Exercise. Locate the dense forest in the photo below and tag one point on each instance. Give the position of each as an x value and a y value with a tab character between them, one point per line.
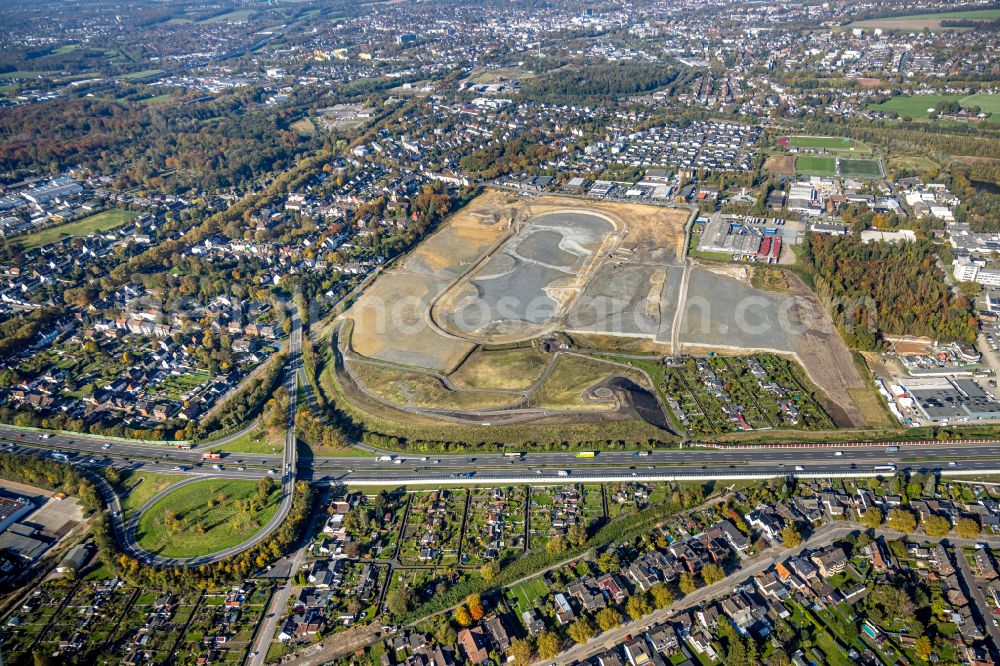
600	82
873	289
173	147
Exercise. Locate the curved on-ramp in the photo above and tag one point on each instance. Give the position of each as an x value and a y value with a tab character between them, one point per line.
125	531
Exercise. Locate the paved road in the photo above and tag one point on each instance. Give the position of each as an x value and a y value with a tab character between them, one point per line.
280	600
162	457
126	533
826	534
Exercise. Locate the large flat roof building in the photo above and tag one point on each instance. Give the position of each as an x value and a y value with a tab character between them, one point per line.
942	399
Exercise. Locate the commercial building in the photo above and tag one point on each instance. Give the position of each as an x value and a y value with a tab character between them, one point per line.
940	399
12	509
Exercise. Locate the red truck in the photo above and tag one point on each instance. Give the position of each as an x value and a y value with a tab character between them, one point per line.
211	455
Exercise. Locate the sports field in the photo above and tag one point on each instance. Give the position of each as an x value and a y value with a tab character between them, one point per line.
109	219
811	165
832	143
860	168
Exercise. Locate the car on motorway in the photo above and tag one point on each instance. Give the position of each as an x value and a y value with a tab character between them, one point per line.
106	447
838	453
891	449
781	465
800	468
470	460
272	471
242	468
952	463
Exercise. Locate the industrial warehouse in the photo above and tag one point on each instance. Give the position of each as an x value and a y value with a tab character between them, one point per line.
753	239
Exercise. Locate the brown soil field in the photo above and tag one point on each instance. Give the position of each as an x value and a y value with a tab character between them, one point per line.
505	370
390	317
780	164
564	388
415	389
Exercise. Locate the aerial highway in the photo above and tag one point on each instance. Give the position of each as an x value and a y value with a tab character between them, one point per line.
371	467
126	530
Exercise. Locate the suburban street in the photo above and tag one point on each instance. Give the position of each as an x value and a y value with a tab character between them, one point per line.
823	536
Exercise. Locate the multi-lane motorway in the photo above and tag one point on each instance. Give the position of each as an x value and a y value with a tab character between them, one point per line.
370	467
716	463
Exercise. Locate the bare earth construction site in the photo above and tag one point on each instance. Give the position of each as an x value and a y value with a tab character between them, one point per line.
549	307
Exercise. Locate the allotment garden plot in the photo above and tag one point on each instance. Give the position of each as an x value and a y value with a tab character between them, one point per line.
495	525
731	394
433	527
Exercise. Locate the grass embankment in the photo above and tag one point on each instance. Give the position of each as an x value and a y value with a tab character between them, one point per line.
144	485
505	369
255	441
109	219
206	517
431	435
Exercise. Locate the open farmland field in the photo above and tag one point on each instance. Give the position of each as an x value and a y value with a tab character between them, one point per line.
811	165
918	22
919	106
98	222
990	103
860	168
915	106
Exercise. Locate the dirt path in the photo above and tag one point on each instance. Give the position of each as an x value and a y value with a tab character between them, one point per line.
336	646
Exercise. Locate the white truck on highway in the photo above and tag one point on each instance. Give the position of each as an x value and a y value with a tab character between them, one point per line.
384	458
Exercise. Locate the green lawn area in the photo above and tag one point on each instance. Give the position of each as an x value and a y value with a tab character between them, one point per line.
224	525
255	441
836	143
109	219
835	655
812	165
143	74
23	74
527	594
175	387
860	168
239	15
150	484
916	106
990	103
